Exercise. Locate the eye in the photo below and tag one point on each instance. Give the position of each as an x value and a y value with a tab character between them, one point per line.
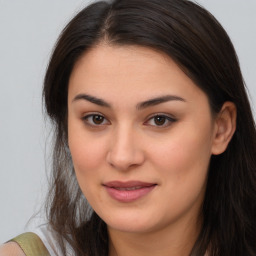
160	120
95	120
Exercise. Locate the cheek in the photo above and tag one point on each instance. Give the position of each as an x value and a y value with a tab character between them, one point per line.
183	165
185	150
87	156
183	159
88	153
87	150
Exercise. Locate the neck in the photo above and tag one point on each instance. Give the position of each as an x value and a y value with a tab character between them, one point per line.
175	240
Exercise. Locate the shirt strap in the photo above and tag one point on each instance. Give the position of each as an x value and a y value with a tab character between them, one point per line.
31	244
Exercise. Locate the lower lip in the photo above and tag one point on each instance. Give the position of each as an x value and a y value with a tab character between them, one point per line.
126	196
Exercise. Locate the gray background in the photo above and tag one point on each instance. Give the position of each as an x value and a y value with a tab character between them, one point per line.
28	31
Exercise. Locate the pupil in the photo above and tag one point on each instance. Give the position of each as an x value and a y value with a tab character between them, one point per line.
97	119
159	120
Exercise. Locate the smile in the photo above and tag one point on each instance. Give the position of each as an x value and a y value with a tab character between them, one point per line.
128	191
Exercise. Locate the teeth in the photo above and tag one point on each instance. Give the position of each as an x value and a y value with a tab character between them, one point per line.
128	189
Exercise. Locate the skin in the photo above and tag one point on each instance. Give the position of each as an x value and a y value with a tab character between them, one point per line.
11	249
127	143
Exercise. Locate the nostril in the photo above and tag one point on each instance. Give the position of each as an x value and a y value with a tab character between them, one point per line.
124	160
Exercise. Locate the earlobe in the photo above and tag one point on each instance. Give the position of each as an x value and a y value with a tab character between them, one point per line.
225	126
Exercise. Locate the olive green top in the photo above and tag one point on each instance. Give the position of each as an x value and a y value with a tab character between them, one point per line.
31	244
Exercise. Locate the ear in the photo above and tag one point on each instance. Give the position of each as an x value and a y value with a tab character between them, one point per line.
225	126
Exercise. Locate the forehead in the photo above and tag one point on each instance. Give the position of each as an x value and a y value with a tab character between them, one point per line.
129	71
122	60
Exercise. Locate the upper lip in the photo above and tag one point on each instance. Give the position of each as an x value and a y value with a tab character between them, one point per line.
128	184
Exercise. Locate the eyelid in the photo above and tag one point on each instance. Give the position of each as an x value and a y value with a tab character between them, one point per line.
168	117
93	125
169	120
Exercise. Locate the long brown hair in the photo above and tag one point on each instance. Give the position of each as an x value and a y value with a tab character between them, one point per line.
195	40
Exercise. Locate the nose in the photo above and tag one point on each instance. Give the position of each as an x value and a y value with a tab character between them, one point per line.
125	150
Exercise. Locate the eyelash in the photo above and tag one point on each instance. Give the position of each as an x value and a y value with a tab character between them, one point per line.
168	120
92	123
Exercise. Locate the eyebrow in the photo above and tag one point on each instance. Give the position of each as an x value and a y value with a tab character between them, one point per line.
158	100
92	99
139	106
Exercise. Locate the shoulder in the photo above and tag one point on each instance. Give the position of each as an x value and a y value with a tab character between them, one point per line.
51	241
11	249
42	240
25	244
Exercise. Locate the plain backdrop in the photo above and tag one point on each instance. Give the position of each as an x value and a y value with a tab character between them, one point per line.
28	31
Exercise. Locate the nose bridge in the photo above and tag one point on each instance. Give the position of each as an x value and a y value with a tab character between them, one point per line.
125	150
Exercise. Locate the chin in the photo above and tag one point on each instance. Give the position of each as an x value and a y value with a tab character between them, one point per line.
131	223
127	227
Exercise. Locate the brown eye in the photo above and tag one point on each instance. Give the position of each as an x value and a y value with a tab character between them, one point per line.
159	120
97	119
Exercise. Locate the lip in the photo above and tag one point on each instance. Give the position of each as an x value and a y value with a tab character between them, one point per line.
128	191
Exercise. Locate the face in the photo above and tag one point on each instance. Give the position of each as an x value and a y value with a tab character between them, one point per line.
140	134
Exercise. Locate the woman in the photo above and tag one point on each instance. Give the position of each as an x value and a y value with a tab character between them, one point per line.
154	128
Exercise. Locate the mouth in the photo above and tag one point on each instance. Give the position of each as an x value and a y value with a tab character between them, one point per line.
128	191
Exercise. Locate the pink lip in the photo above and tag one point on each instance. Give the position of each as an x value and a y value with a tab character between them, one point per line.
128	191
